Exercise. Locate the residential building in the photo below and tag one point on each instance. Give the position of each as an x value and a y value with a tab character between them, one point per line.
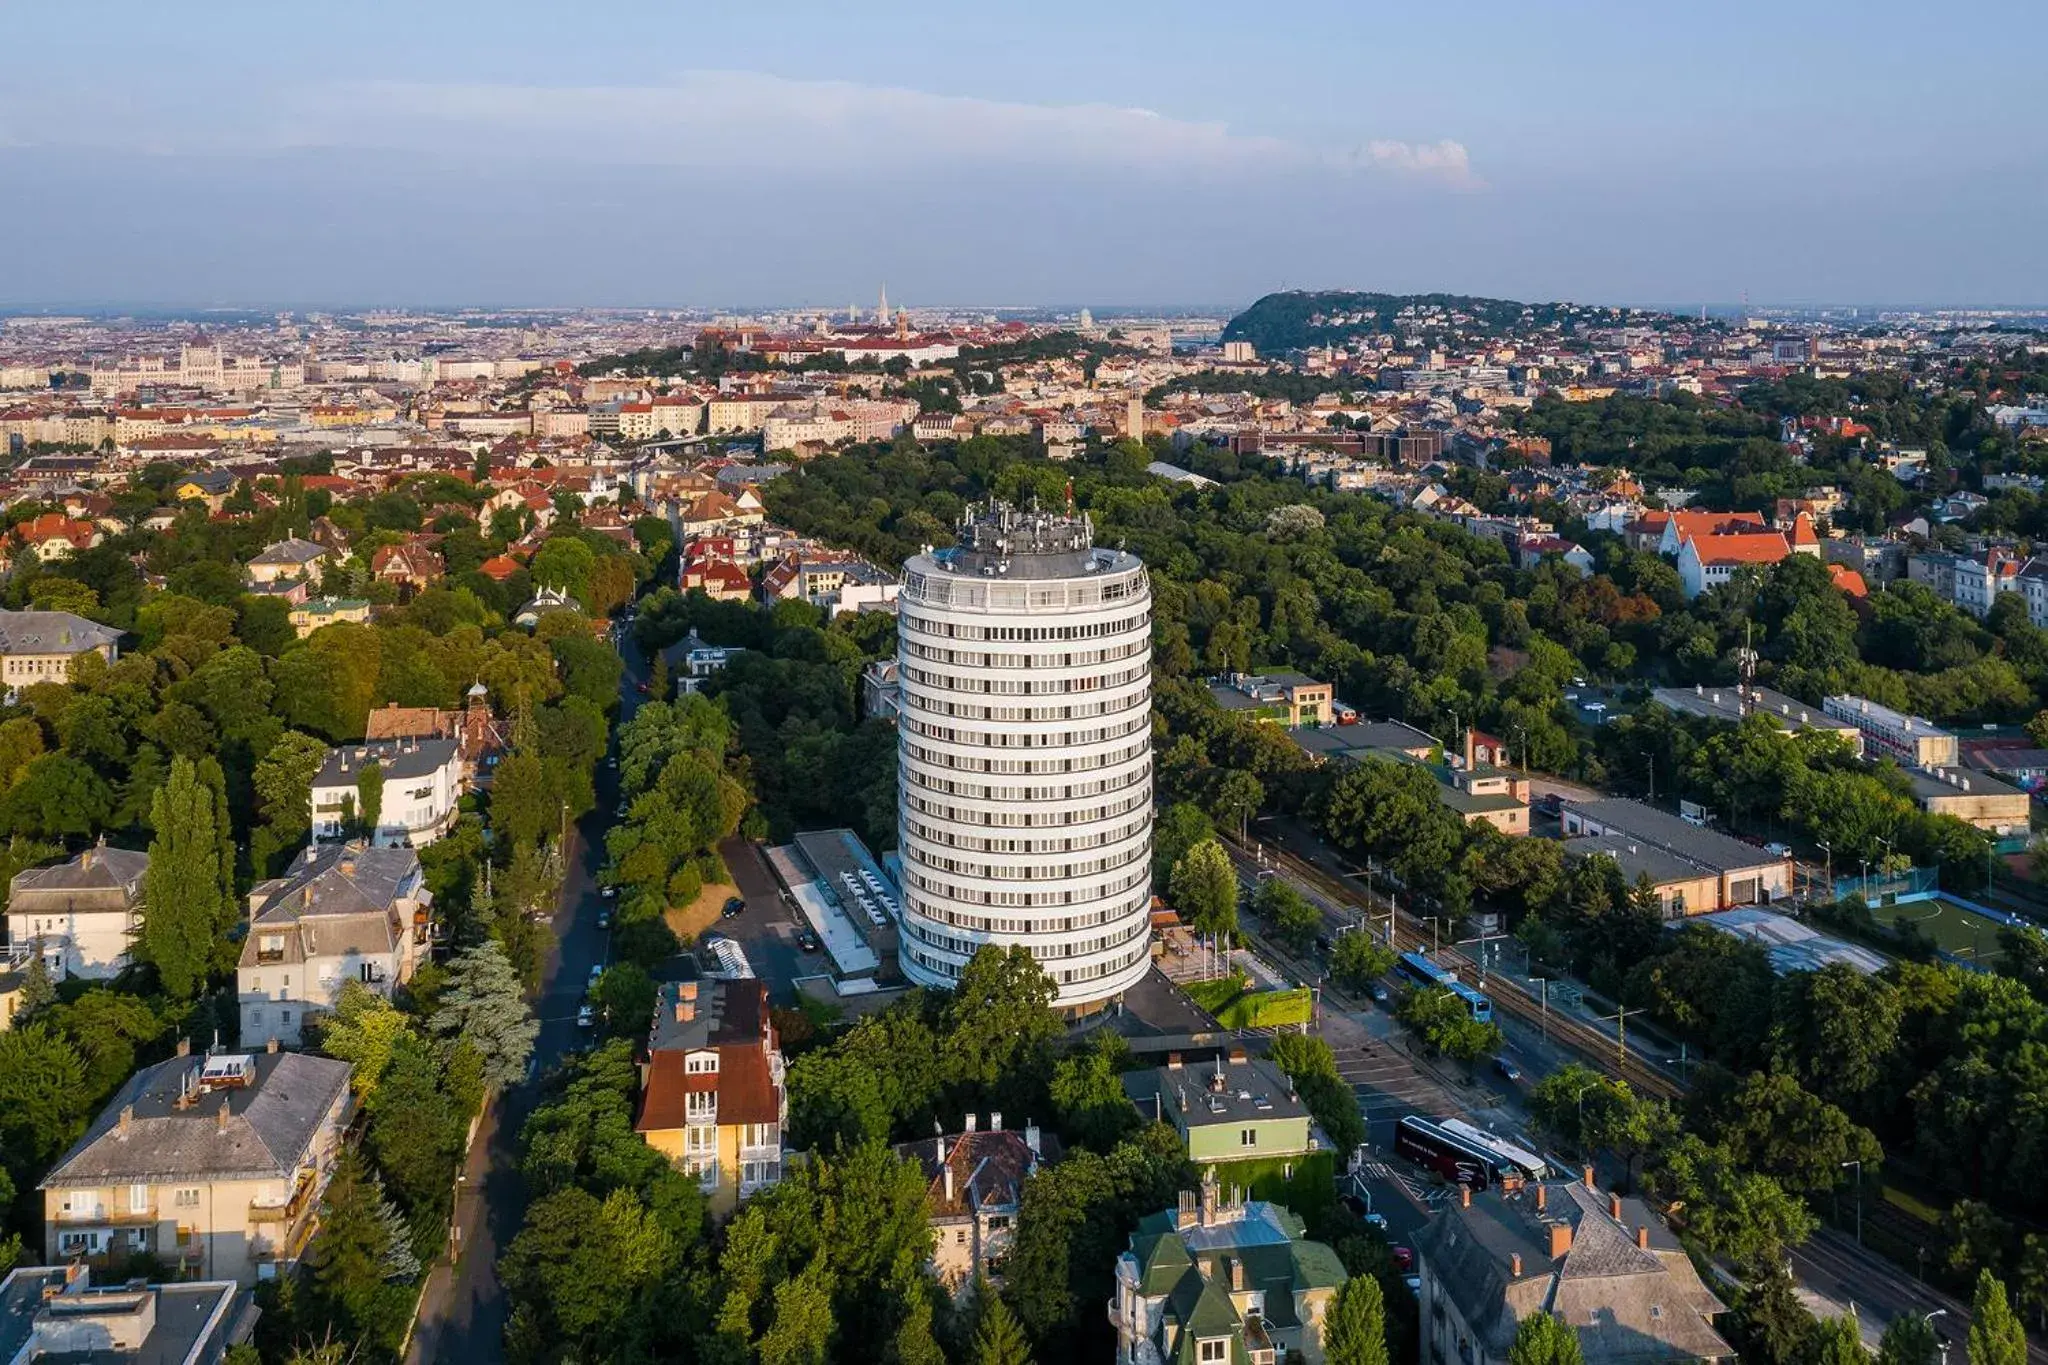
308	616
343	912
210	486
1706	562
837	582
215	1165
1234	1108
409	565
54	536
1222	1281
423	782
40	646
974	1185
712	1097
1286	698
1732	703
288	560
1909	740
53	1314
473	728
1605	1266
1693	869
881	695
1972	582
84	913
1025	811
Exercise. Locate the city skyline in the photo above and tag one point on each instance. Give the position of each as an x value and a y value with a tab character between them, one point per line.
639	158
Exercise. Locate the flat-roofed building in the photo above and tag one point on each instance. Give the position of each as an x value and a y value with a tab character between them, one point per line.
1286	698
1732	703
1975	798
214	1164
55	1314
1235	1108
1911	740
1694	869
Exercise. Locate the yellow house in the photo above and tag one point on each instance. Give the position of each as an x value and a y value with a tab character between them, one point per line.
214	1164
711	1097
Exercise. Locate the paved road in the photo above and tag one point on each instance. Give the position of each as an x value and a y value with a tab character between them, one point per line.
463	1310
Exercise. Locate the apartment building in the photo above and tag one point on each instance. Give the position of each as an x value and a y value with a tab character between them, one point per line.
40	646
1910	740
974	1186
342	913
712	1097
1972	582
288	560
423	783
1731	704
1235	1108
83	914
1608	1268
1222	1281
213	1164
54	1313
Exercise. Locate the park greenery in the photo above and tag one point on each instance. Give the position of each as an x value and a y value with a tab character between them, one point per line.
200	744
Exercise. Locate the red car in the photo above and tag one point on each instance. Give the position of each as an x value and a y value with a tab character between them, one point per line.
1403	1258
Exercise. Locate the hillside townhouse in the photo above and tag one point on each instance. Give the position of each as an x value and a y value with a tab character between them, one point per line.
423	781
343	912
974	1186
215	1165
712	1098
83	915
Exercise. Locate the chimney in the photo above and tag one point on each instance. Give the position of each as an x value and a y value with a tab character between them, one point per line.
1589	1179
220	1118
1173	1062
127	1117
1237	1274
1031	1138
995	1120
1614	1207
968	1125
1542	1198
949	1182
941	1142
271	1046
1560	1239
1514	1265
1209	1193
1643	1236
1464	1196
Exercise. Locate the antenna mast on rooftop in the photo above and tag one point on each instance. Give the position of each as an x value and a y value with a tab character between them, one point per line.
1745	674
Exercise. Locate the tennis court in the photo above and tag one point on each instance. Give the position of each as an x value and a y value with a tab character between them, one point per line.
1963	934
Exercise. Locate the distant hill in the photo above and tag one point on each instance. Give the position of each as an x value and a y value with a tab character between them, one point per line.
1301	319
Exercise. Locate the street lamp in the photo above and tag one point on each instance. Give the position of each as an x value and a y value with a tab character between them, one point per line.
1858	1164
1929	1318
1544	983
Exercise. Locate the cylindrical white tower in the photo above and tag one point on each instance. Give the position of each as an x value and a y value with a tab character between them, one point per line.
1024	786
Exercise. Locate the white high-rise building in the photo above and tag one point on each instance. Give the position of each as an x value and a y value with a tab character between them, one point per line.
1024	789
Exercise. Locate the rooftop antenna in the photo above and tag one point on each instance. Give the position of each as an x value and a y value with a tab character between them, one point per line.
1745	668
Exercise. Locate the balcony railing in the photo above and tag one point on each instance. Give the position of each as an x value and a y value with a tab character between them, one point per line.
108	1215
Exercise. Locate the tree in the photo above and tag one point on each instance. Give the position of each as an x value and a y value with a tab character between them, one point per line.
363	1030
353	1255
183	916
43	1097
1204	889
37	990
1358	959
1834	1341
1542	1339
484	1005
1179	828
914	1342
370	797
1000	1023
1444	1024
998	1336
1294	920
283	780
625	996
1908	1339
801	1332
1996	1336
1355	1332
579	1263
1088	1093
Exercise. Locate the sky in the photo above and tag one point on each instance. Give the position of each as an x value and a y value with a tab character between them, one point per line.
1114	153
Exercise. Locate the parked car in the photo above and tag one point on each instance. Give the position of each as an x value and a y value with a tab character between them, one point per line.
1403	1258
608	892
808	941
604	919
1414	1283
596	971
734	908
1506	1069
1380	994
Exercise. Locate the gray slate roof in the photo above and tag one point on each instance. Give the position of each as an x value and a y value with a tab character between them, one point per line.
100	877
270	1127
402	760
52	632
339	897
293	553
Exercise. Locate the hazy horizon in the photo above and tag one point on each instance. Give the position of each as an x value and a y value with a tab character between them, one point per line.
649	156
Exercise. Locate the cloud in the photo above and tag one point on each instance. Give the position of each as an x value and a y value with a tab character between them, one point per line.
707	120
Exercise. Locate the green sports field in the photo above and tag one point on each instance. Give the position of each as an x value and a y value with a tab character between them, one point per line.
1964	934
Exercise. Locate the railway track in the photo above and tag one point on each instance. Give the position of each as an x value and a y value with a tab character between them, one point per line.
1509	996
